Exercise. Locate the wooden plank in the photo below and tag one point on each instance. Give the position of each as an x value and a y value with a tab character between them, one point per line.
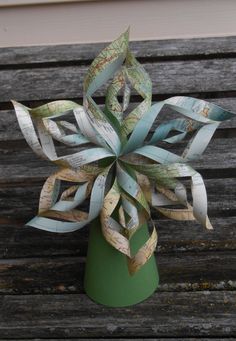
17	241
168	78
144	49
9	128
184	271
18	160
19	163
137	338
19	204
165	314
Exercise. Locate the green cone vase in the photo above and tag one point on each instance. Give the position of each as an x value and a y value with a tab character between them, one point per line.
107	279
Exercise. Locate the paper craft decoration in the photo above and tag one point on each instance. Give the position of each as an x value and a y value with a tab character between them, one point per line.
121	169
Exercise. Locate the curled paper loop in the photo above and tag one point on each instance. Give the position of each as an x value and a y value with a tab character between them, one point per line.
119	165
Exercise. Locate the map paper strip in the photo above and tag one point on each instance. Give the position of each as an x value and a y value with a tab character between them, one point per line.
116	162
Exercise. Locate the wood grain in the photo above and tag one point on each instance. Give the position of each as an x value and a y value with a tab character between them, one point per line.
10	131
165	314
20	202
186	271
17	241
19	163
142	49
168	78
138	339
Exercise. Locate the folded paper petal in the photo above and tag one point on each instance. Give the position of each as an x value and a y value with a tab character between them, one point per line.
117	161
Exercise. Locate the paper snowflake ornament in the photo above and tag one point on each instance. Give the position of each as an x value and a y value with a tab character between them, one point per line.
118	162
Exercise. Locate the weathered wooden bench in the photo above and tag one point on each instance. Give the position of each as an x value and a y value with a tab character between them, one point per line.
41	274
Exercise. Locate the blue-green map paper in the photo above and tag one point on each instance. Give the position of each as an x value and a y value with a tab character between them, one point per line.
118	163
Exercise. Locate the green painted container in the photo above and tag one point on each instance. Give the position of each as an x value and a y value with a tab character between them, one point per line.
107	279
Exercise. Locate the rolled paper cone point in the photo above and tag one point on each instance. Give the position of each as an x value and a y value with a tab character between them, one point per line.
107	279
